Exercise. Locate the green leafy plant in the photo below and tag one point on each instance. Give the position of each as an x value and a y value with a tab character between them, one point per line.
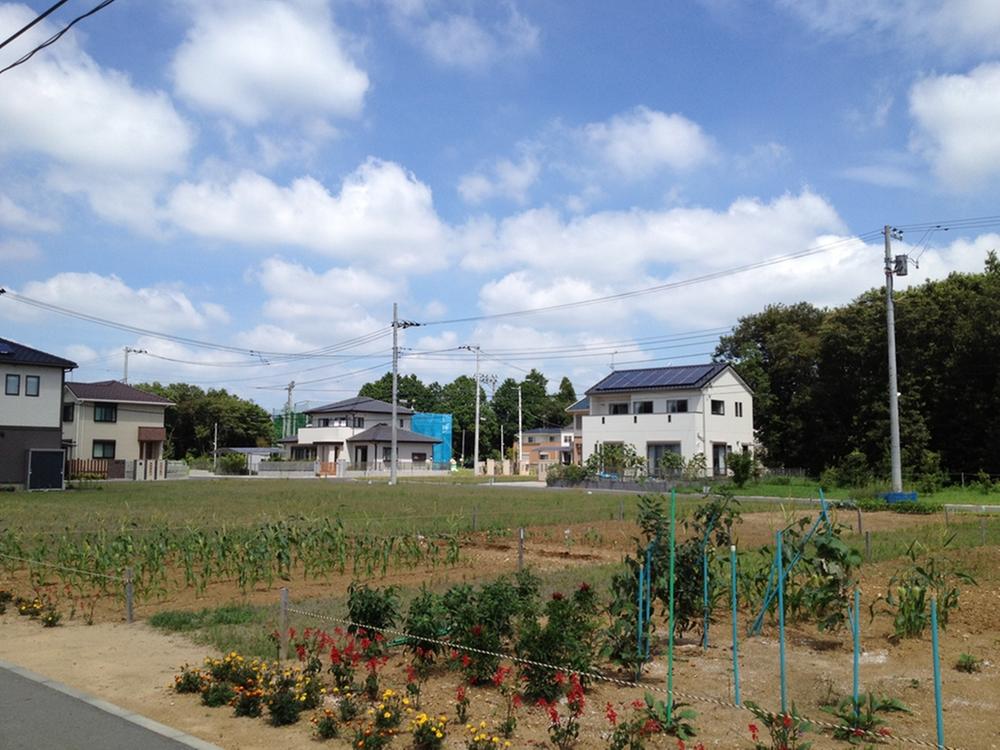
675	720
326	725
744	467
282	699
862	722
785	731
630	732
910	590
215	694
984	482
248	701
968	663
372	607
190	680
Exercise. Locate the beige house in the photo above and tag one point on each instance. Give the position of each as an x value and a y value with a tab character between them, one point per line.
112	420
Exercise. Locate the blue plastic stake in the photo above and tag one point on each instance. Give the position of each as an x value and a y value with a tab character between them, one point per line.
704	580
781	623
649	595
937	672
856	634
736	643
641	611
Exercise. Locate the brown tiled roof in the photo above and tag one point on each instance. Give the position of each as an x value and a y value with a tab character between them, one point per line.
114	390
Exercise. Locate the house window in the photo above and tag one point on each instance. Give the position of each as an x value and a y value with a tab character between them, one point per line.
12	385
104	449
105	413
419	458
531	438
401	423
543	456
324	423
619	408
677	405
642	407
31	385
738	407
655	453
359	422
338	422
69	410
718	407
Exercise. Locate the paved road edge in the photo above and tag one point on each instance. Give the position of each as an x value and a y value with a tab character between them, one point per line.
130	716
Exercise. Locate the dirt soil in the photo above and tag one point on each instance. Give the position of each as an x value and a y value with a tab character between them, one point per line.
133	665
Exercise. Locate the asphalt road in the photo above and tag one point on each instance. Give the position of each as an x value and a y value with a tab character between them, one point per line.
34	716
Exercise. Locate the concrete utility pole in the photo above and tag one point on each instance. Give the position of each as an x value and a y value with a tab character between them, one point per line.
520	441
475	447
395	392
129	350
893	267
289	421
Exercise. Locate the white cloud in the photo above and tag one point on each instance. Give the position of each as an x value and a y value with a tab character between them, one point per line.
14	216
383	215
882	175
508	179
258	60
462	40
643	141
91	122
159	308
12	250
956	27
615	246
956	118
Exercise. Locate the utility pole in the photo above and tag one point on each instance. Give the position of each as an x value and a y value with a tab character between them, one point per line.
520	441
893	266
396	325
289	421
128	350
475	447
395	392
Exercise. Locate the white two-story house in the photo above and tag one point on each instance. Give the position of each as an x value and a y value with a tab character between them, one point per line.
359	431
690	409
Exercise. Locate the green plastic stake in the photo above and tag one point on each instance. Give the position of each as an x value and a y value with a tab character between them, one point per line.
670	620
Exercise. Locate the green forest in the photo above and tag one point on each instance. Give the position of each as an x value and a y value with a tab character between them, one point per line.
821	384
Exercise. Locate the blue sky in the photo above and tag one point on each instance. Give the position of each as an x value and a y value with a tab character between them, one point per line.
272	176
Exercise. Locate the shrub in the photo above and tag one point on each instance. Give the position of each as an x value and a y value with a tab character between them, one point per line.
232	464
372	607
326	725
968	663
425	618
216	694
569	473
248	701
984	482
190	680
930	477
282	699
744	467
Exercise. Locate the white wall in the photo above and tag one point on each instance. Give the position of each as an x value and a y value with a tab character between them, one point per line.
83	430
45	410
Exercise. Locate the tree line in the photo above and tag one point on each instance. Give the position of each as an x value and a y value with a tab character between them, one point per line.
498	408
820	378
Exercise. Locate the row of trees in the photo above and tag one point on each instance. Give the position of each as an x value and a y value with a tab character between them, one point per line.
819	377
191	422
498	408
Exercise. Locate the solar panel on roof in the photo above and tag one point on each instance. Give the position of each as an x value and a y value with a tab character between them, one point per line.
658	377
4	349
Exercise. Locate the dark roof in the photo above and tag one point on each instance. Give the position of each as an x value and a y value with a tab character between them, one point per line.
114	390
582	405
544	430
359	403
659	378
19	354
382	433
251	451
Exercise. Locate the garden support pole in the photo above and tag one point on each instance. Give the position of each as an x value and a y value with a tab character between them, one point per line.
982	531
670	618
736	645
937	672
475	519
868	545
704	581
781	623
860	527
640	608
129	596
621	510
649	595
283	625
856	636
520	549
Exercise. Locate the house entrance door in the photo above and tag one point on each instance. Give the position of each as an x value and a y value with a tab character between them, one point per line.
719	459
360	455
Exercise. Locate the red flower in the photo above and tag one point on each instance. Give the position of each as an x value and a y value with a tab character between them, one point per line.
335	655
518	700
609	711
466	661
858	732
787	721
557	596
560	678
500	675
638	705
411	673
300	651
680	745
754	732
476	630
885	731
460	693
584	587
650	727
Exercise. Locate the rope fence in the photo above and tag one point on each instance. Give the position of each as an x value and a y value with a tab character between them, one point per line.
286	609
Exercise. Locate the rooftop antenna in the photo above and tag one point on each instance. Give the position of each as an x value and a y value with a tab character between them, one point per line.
613	360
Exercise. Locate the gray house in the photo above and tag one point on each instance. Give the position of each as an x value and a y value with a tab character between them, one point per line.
31	415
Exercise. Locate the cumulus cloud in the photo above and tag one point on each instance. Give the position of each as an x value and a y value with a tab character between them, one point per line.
15	216
614	245
260	60
382	214
160	308
13	250
505	179
955	27
642	141
956	118
462	40
92	123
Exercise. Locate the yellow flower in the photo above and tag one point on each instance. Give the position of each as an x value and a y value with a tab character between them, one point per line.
387	715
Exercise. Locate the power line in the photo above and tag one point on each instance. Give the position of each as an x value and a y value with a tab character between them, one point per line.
55	37
38	19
